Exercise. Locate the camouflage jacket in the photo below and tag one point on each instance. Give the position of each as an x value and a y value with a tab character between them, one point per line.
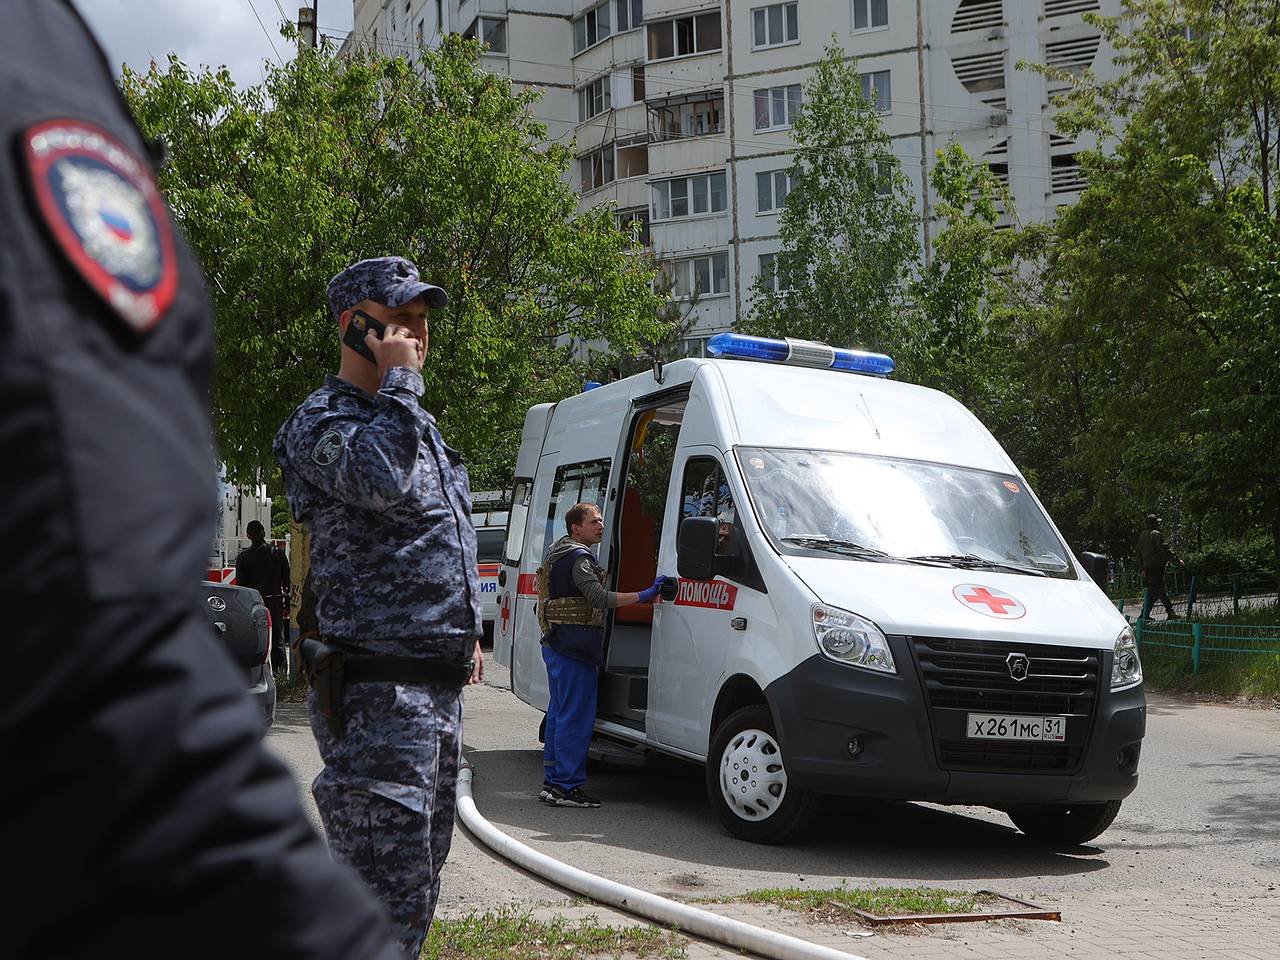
388	505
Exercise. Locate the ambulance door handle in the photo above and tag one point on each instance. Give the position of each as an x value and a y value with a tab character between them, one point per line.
738	623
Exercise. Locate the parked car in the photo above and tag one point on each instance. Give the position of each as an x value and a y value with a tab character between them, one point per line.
240	619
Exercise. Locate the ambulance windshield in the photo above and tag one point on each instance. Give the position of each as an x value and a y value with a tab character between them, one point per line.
811	500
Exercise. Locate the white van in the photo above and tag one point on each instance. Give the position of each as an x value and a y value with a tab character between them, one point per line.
870	600
489	517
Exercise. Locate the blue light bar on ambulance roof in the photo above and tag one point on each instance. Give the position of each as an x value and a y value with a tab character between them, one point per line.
799	353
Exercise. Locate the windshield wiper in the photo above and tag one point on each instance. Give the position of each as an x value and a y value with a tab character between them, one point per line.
820	542
973	561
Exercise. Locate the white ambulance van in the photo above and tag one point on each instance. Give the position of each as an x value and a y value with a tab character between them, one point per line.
489	517
868	601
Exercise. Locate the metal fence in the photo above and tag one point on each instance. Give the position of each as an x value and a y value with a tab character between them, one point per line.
1198	644
1213	595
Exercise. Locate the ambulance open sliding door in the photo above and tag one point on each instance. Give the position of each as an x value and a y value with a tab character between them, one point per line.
556	489
509	575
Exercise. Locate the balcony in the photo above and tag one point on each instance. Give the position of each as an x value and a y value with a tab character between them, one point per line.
685	117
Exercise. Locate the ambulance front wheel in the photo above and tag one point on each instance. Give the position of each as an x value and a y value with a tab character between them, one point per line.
1064	824
747	781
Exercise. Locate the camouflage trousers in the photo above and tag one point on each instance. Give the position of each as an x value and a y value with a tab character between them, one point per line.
388	791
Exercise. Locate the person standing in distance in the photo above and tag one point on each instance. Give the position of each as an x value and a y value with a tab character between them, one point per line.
145	818
1154	555
265	568
393	564
573	650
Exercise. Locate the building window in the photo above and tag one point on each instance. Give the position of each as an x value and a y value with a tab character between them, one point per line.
592	27
769	276
637	84
693	115
876	88
707	275
689	196
772	187
439	16
884	178
870	14
594	97
633	160
685	36
422	31
776	106
636	222
597	169
775	24
492	33
630	14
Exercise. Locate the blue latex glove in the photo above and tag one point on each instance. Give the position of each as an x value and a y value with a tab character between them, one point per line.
648	593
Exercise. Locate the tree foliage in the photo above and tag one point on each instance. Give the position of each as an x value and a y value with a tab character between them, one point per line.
848	229
278	187
1167	267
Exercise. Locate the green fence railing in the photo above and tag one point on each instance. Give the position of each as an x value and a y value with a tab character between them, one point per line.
1198	644
1213	595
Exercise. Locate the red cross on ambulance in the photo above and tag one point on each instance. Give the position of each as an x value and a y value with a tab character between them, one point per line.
990	602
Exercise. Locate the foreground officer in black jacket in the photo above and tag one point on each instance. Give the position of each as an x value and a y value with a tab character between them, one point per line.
141	816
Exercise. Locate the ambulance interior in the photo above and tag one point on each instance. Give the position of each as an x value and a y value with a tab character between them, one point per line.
646	486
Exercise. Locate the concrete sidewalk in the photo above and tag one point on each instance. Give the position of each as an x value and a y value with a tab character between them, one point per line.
1239	924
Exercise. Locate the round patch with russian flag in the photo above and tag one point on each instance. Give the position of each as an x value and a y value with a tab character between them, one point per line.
102	206
989	601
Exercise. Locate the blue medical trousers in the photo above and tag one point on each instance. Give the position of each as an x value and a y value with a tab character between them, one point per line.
571	713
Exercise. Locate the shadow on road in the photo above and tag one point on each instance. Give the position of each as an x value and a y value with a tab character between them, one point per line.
662	809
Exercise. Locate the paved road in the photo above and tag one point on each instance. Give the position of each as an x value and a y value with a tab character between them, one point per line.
1203	826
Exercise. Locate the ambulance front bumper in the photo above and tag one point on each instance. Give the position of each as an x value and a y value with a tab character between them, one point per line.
848	731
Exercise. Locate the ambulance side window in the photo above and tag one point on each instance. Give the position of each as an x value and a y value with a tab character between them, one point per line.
704	492
585	482
516	520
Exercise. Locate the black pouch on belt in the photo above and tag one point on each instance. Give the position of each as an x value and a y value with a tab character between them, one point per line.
323	666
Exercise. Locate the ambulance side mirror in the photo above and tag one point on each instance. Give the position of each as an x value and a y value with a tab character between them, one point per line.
1097	567
696	548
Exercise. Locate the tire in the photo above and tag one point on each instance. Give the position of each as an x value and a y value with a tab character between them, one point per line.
753	808
1065	824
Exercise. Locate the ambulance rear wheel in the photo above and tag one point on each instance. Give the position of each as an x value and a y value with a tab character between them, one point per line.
747	780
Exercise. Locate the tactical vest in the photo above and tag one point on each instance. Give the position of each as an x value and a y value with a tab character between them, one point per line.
570	626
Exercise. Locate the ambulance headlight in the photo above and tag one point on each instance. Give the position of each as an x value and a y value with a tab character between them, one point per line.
851	639
1126	668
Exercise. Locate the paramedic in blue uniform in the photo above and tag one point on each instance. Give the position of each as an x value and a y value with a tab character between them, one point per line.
142	816
393	565
573	650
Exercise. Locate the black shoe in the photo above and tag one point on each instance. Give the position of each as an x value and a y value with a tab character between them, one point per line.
577	797
545	793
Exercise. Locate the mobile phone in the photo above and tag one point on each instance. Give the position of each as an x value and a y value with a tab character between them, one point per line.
361	323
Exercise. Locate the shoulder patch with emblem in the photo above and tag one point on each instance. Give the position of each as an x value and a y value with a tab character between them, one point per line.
327	448
100	202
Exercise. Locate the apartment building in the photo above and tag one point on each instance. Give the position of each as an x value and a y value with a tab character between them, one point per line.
681	110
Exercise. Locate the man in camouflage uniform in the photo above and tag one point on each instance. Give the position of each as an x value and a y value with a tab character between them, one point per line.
393	563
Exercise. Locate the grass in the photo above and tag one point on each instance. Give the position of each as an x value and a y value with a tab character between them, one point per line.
508	934
838	904
291	690
1252	675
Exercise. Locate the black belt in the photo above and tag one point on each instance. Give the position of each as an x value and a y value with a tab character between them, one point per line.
390	669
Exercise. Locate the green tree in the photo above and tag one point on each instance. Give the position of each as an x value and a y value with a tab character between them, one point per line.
279	186
1167	265
848	229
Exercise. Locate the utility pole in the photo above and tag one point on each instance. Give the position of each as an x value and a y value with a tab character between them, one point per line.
308	25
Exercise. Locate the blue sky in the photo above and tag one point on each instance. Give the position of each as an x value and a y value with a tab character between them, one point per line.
212	32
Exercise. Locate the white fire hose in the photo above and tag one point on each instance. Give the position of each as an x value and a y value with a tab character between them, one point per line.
668	913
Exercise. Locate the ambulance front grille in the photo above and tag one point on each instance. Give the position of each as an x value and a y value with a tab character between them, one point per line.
973	676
